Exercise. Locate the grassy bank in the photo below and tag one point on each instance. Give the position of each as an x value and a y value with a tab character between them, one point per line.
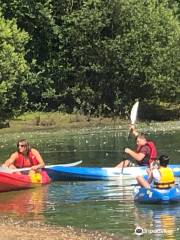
56	120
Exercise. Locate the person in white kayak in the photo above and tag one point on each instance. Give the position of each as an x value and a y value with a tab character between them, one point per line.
144	154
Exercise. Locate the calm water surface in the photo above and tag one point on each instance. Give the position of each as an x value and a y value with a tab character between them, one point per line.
102	205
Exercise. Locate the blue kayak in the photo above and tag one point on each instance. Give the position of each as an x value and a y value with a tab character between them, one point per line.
58	173
154	195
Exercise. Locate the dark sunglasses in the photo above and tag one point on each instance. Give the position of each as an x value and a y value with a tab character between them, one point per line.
21	145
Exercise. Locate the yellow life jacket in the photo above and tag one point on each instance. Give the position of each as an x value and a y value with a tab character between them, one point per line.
167	178
35	177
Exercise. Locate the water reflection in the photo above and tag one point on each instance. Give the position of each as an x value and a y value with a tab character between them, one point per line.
103	148
105	206
159	221
71	192
96	147
102	205
94	205
25	203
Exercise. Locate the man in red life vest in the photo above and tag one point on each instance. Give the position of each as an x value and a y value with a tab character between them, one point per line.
24	157
145	153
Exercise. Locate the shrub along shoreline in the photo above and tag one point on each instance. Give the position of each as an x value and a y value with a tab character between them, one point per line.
59	121
55	120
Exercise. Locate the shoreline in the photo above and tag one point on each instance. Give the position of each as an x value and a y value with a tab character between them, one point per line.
18	230
98	126
31	122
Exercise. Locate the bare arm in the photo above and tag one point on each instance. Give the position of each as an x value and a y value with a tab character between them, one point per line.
153	174
39	158
10	160
133	130
137	156
150	175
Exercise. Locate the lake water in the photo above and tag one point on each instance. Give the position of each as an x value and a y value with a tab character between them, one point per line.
106	206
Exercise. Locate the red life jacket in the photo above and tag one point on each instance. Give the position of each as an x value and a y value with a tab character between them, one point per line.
153	153
21	161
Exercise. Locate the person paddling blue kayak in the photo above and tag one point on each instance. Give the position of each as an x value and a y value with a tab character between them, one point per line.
161	177
160	188
144	154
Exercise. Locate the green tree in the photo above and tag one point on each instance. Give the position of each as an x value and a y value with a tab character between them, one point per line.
97	56
13	69
121	50
36	18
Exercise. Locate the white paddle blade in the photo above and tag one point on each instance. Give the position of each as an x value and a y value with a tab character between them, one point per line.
134	112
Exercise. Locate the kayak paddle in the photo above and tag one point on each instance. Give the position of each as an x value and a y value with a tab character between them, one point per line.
11	170
133	115
133	118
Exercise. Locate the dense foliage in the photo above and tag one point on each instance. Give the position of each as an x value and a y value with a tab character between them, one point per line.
13	69
91	56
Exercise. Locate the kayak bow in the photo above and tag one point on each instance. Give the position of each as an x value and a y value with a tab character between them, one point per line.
154	195
15	182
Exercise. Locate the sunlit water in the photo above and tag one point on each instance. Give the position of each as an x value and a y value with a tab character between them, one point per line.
101	205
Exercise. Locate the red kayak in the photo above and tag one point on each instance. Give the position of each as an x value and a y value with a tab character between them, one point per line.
15	181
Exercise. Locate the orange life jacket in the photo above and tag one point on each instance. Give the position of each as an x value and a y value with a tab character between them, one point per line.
167	178
153	153
21	161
